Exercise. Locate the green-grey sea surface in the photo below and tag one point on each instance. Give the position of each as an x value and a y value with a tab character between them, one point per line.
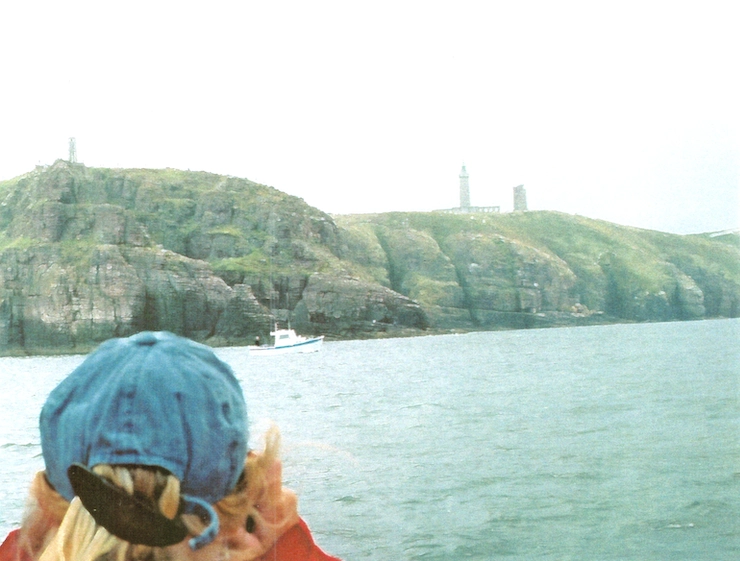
613	442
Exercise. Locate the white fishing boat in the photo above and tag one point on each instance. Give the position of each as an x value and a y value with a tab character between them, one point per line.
287	341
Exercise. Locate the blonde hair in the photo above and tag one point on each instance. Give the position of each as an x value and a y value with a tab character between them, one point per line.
55	530
260	499
63	531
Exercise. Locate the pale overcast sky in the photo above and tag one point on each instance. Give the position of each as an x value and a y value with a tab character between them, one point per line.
623	111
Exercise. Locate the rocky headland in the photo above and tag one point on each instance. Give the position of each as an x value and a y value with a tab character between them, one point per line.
91	253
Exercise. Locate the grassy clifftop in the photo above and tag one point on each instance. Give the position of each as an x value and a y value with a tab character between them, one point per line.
550	261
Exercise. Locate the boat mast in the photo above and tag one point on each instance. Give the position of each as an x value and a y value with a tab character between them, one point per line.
273	245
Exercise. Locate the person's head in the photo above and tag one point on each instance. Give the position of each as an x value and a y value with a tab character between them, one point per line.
141	440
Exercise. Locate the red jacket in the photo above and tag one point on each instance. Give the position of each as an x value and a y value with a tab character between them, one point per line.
9	549
294	545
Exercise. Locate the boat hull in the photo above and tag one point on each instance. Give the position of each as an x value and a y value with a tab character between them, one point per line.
311	345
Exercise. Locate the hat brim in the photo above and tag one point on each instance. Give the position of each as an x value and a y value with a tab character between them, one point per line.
124	515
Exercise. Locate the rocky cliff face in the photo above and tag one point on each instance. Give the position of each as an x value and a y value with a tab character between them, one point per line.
348	307
51	300
90	254
545	268
87	254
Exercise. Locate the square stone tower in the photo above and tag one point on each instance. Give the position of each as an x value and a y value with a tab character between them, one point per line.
520	198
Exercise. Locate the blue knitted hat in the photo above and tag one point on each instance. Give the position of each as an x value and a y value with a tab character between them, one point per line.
153	399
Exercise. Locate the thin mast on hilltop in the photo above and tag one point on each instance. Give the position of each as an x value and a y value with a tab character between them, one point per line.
72	151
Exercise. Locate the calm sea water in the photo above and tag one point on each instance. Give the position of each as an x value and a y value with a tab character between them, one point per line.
598	443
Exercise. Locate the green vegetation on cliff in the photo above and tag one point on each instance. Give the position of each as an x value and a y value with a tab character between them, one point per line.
91	253
554	262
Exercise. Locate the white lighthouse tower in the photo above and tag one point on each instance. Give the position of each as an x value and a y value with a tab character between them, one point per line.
464	189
